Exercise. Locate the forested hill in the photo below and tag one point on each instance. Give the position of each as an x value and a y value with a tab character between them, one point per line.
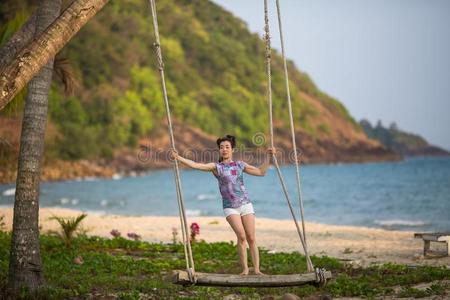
399	141
216	83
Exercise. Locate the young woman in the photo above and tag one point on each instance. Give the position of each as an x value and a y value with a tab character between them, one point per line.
237	207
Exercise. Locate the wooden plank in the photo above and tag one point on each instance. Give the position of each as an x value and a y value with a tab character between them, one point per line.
433	236
444	238
211	279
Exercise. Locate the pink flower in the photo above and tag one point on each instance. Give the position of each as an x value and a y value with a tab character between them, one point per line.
115	233
134	236
195	229
174	231
174	234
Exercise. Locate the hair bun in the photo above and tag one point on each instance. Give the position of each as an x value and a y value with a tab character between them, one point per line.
228	137
231	137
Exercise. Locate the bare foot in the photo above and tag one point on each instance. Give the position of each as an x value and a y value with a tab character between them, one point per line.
259	273
244	272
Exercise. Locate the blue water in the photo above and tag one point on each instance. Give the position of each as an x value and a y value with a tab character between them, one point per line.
409	195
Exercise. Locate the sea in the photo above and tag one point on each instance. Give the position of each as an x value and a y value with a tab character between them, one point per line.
413	194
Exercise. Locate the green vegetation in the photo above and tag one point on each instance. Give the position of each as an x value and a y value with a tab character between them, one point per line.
2	222
399	141
69	228
128	268
214	68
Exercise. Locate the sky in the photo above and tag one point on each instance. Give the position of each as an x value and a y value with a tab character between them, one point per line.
385	60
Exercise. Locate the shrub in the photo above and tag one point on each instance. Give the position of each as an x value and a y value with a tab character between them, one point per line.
69	227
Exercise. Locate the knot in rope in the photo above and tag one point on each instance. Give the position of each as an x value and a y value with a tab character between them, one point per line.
159	55
320	276
191	274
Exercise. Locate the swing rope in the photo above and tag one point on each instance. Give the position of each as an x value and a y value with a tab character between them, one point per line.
291	121
269	103
182	212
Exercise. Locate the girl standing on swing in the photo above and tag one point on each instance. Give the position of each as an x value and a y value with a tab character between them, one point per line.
237	207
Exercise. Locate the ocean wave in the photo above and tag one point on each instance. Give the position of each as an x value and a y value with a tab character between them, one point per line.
9	192
65	200
205	197
96	212
193	212
398	222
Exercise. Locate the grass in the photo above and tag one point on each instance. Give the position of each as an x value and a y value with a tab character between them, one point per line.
139	270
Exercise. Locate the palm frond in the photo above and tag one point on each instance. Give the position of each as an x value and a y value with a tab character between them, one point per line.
64	71
69	227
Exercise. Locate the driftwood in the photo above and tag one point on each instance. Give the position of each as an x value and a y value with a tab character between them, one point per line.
210	279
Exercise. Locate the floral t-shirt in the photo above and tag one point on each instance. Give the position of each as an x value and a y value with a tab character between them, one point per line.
231	183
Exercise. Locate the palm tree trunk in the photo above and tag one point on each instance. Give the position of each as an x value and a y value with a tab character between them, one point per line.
25	267
34	56
19	40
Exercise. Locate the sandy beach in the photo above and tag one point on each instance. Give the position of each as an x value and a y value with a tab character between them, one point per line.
359	245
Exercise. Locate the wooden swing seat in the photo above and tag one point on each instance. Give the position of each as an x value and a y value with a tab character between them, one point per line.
212	279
